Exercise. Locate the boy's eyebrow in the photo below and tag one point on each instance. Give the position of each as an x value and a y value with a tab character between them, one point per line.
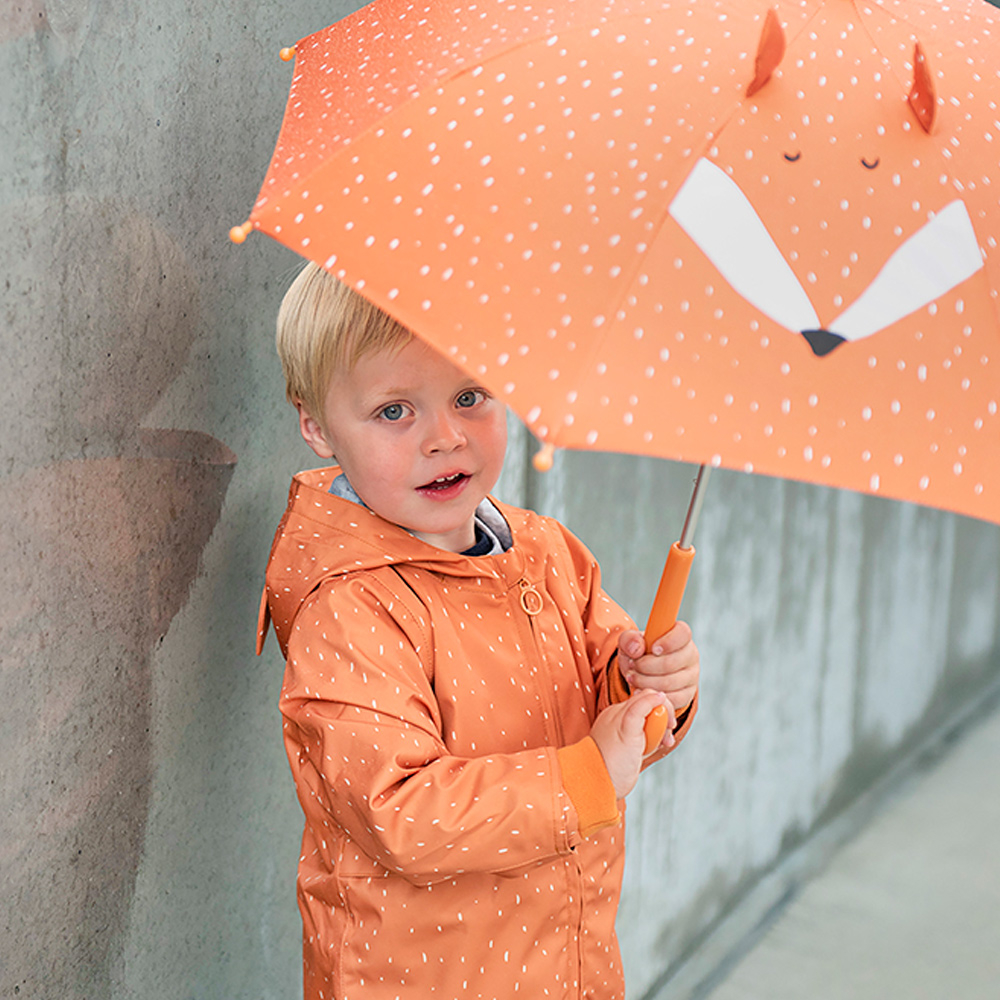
376	393
409	388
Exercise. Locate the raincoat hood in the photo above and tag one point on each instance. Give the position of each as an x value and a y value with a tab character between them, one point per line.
341	538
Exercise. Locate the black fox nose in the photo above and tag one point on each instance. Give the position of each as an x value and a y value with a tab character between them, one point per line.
822	341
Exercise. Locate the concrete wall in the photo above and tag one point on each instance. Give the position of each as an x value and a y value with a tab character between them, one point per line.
148	827
836	633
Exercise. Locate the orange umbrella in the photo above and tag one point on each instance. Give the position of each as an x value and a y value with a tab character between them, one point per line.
757	235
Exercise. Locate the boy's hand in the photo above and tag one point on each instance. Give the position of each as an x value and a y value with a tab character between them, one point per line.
618	733
671	666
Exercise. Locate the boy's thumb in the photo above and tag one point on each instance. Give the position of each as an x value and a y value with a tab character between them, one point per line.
656	727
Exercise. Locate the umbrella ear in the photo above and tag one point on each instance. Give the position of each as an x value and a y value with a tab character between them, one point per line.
922	96
770	50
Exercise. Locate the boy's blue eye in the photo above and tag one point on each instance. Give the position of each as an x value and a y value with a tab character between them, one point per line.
469	398
394	411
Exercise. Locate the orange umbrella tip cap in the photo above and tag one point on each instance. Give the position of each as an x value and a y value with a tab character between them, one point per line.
239	233
543	458
287	54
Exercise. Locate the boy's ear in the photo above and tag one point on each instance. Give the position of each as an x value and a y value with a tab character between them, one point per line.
313	433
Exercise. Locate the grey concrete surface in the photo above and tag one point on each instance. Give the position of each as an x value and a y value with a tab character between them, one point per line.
148	827
910	906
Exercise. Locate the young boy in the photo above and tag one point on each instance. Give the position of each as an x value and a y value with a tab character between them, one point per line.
456	698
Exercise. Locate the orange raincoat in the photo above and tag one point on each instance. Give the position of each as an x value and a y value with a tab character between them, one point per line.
461	834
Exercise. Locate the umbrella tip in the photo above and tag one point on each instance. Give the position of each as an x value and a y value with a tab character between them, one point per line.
543	458
239	233
287	54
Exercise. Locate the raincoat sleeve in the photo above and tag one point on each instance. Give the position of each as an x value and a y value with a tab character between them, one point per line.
363	735
602	619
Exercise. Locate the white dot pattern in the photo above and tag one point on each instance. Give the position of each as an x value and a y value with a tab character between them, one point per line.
422	711
500	177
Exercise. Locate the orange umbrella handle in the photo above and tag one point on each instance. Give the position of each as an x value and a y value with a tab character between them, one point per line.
662	619
669	595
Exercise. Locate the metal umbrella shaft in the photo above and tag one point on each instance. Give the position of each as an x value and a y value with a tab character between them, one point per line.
669	594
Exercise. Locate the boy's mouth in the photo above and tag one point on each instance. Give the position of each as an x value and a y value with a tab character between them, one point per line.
445	485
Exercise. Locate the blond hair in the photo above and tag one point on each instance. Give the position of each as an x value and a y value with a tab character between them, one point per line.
324	327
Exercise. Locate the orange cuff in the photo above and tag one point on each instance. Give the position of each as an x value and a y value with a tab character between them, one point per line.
618	690
588	785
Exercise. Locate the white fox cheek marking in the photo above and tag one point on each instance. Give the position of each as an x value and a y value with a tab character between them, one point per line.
712	209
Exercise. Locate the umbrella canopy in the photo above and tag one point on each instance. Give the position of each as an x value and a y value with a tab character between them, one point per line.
757	234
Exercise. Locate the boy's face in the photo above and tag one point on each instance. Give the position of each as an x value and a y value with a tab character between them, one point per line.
421	442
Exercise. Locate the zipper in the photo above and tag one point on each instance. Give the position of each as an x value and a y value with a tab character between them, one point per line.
576	917
532	604
531	600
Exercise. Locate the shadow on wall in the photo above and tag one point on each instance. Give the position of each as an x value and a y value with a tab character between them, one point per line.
103	526
66	20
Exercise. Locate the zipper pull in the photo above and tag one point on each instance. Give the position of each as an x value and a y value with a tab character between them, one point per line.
531	600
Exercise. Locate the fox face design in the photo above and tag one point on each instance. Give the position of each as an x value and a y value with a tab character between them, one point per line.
839	184
833	248
719	217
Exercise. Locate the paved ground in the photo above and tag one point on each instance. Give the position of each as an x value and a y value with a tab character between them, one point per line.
909	908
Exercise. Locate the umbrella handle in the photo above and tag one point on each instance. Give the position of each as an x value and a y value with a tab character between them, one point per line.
662	619
669	595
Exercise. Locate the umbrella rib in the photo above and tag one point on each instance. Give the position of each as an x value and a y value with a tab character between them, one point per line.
615	303
697	153
892	17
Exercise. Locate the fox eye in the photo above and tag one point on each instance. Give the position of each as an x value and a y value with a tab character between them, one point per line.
793	159
870	166
392	412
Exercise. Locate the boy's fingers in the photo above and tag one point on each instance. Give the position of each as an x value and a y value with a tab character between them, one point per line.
677	638
639	706
677	680
660	672
632	644
658	727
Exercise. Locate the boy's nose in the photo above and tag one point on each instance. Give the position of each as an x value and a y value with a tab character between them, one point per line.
443	434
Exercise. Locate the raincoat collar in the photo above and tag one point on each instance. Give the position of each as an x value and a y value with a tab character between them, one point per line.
489	521
324	537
